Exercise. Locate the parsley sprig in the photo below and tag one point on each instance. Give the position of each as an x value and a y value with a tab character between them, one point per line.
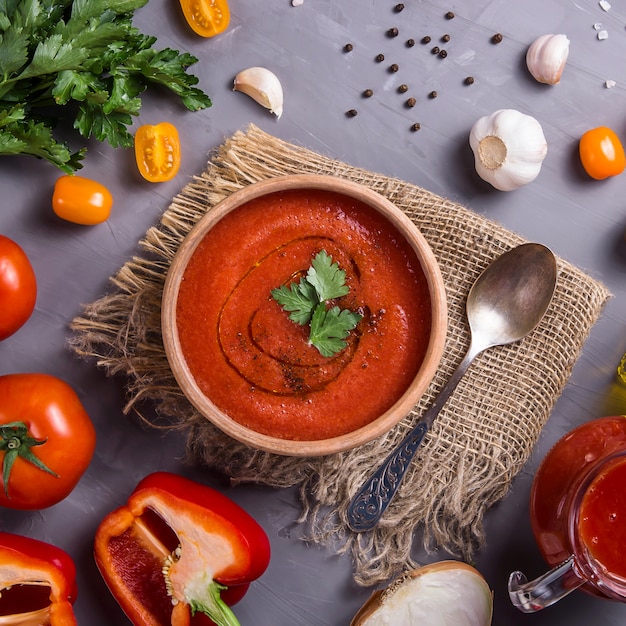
83	53
306	302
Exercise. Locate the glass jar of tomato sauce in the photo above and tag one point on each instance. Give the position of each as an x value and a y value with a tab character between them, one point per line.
578	516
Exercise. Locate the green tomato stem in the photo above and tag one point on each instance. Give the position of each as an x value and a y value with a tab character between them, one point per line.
16	441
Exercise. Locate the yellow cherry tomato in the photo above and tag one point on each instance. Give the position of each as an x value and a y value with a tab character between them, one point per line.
206	18
601	153
157	151
81	200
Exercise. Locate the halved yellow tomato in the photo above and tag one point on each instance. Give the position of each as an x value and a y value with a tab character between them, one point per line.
157	151
206	18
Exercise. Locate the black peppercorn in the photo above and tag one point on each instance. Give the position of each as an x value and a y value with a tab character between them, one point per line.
445	38
469	80
351	113
392	32
411	102
449	15
394	67
497	38
443	54
433	94
426	39
435	50
403	88
415	127
368	93
348	47
398	8
380	58
410	43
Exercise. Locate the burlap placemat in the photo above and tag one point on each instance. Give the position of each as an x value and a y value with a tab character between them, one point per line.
480	441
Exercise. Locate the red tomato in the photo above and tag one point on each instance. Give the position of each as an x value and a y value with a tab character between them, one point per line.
601	153
18	287
207	18
46	440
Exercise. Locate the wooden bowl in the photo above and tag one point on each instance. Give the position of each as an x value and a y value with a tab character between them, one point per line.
186	324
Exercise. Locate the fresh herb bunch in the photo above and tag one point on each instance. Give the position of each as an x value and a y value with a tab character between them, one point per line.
306	303
81	59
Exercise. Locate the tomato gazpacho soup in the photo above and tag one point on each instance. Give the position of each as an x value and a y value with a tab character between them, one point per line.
255	363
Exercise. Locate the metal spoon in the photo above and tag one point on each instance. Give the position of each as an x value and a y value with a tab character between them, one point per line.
505	303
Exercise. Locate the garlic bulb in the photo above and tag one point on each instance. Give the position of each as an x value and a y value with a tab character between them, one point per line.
546	58
509	148
447	593
262	86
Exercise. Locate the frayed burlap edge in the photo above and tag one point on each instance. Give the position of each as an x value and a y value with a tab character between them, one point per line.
482	437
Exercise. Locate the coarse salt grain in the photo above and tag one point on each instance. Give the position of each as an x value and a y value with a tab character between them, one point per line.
597	26
603	34
297	3
604	5
609	84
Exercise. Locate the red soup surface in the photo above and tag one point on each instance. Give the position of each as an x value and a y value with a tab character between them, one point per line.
602	520
254	363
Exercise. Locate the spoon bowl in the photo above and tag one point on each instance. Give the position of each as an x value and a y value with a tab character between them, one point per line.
507	301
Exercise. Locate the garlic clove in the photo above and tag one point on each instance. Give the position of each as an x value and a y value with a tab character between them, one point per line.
546	58
448	593
262	86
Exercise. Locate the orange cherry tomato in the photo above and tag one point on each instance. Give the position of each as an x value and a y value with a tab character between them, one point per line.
157	151
18	287
206	18
601	153
81	200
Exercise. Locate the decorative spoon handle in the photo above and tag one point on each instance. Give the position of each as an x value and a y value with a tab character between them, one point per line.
371	501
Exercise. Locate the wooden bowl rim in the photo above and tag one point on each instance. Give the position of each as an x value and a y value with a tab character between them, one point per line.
319	447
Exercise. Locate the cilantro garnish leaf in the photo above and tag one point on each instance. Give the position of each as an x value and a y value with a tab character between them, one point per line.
306	302
330	327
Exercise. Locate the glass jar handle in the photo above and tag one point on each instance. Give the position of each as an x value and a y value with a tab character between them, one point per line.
537	594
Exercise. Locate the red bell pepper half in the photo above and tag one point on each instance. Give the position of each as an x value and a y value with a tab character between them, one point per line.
37	583
179	550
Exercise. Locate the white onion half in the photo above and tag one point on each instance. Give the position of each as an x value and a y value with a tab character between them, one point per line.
447	593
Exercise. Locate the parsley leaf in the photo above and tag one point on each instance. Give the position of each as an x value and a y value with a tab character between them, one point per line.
306	302
329	281
329	328
87	52
299	298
